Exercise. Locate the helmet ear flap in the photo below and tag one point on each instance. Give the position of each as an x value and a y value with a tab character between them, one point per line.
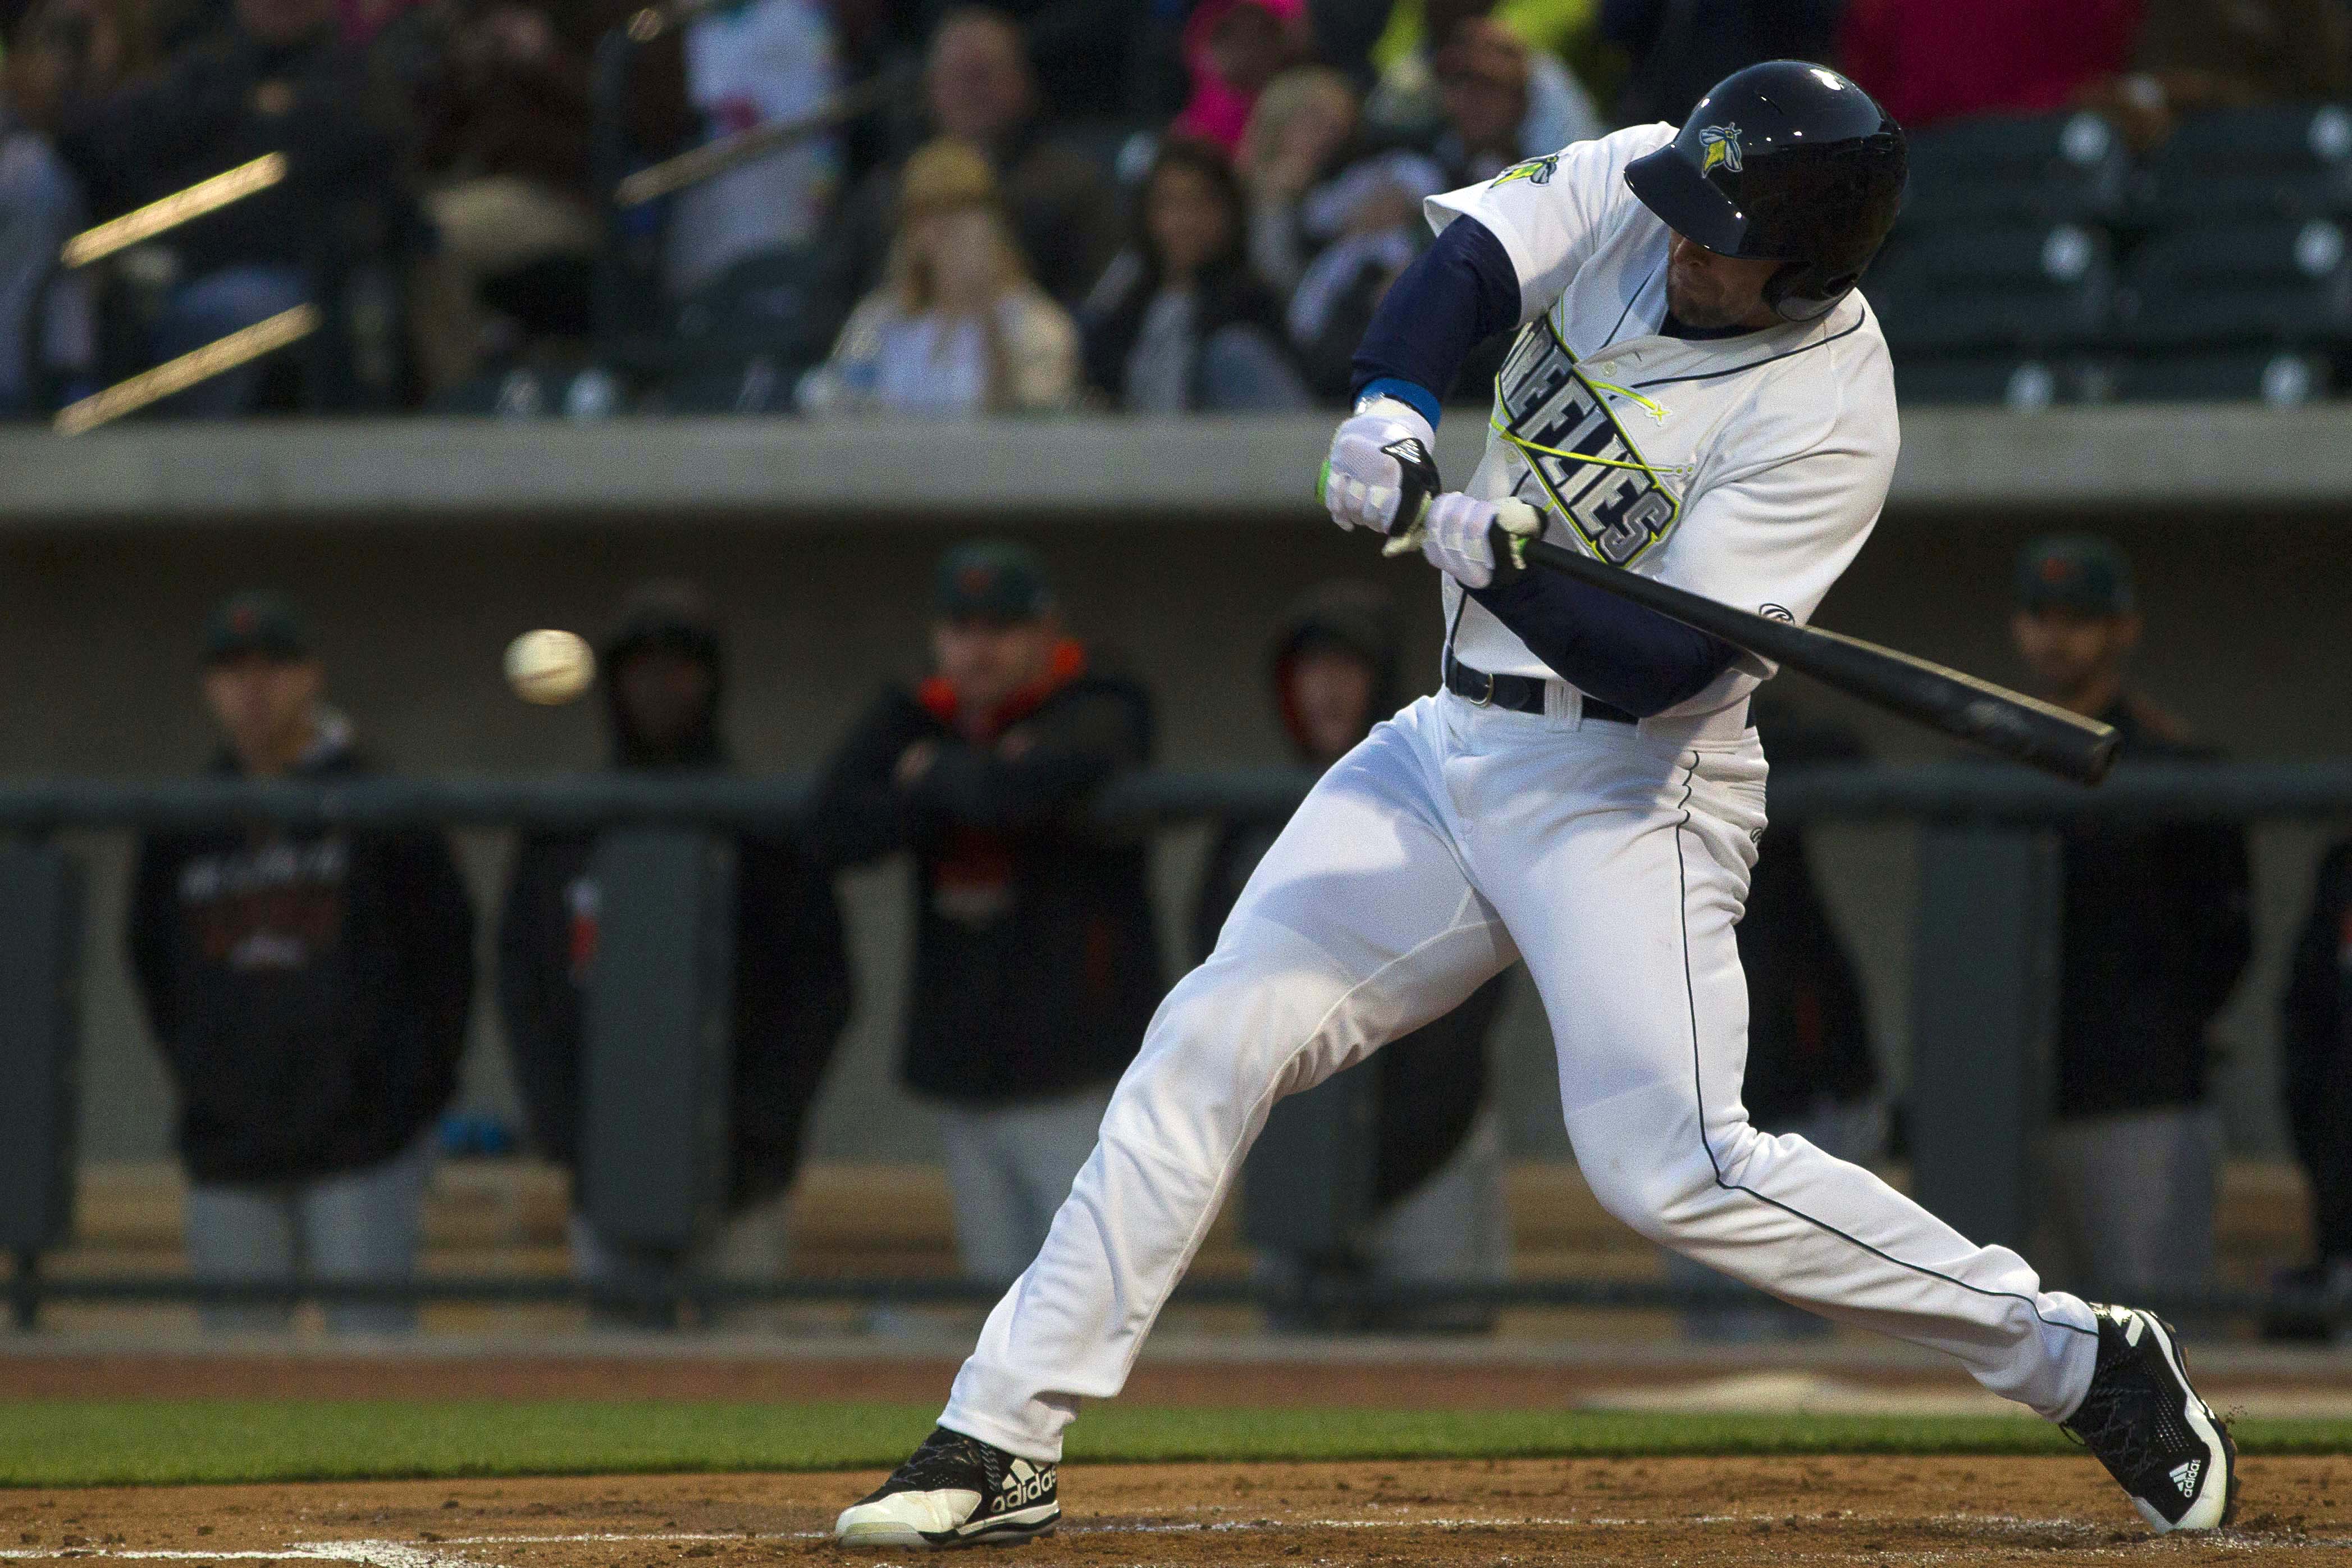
1799	293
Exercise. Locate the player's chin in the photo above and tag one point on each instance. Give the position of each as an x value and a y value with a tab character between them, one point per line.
1693	306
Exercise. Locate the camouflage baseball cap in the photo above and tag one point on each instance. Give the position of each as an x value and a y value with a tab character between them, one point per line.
2081	572
255	621
992	579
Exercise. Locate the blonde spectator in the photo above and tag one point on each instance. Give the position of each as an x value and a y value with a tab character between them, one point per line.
958	327
1303	125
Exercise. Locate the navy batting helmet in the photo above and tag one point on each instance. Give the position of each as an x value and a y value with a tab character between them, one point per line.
1786	162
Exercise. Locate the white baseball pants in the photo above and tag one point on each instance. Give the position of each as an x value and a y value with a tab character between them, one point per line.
1453	839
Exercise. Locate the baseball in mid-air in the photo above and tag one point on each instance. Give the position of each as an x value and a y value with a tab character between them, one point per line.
549	668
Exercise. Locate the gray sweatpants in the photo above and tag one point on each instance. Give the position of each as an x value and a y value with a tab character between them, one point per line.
357	1225
1009	1168
753	1246
2133	1197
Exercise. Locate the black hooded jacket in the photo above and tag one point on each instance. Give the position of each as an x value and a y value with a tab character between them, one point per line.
2317	1040
309	991
792	964
1036	962
1808	1030
1433	1080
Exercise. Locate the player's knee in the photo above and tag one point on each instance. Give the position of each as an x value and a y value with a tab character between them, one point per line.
1657	1196
1257	1016
1654	1173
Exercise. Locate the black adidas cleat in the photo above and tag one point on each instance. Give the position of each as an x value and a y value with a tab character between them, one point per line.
955	1491
2142	1421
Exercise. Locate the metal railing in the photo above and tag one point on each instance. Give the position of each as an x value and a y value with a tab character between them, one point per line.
1966	805
1935	793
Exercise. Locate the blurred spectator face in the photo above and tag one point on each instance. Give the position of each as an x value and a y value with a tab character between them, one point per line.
1329	694
2071	651
978	79
665	696
1300	123
264	706
988	659
954	252
1707	291
962	256
1188	219
279	21
1247	49
1483	77
65	47
505	34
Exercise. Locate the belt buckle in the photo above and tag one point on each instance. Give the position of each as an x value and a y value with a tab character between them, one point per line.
1488	699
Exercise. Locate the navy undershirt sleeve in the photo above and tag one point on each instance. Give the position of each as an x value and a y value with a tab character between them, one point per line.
1460	291
1620	652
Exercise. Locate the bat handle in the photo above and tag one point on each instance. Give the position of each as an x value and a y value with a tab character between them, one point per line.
1417	485
1518	518
1513	516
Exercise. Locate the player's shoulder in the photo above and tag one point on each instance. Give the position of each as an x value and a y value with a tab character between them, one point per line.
1586	168
1827	391
1840	369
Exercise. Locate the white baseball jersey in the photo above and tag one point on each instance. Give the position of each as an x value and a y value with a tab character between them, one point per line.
1748	469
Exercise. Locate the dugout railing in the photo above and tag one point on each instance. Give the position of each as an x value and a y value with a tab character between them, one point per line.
1982	1008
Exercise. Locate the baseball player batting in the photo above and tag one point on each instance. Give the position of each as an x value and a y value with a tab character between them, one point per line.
1697	395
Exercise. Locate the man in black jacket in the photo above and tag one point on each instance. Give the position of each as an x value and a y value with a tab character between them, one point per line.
2154	936
2318	1087
1437	1163
1037	966
665	670
309	992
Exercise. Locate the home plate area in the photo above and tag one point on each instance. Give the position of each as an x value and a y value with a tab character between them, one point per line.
2050	1511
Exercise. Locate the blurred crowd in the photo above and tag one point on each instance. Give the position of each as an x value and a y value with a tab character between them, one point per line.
1145	204
309	991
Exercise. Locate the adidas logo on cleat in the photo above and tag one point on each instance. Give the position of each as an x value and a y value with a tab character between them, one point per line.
1025	1483
2184	1476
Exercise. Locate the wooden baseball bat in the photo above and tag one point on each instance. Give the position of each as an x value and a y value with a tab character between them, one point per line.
2011	723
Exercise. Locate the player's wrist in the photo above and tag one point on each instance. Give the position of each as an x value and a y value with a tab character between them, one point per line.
1393	393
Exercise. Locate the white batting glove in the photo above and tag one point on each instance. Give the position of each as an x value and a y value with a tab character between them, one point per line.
1457	536
1364	477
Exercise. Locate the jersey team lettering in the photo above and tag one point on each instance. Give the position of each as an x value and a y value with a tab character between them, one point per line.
1589	469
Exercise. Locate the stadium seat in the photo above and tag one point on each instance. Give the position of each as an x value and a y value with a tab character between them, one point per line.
2280	377
1964	291
2240	286
756	385
764	307
2009	170
2283	161
1980	381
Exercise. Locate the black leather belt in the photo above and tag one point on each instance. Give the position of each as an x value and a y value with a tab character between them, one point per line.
1519	694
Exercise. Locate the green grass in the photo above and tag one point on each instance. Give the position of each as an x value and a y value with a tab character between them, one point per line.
45	1443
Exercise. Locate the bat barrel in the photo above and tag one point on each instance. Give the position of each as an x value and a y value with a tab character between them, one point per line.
2000	720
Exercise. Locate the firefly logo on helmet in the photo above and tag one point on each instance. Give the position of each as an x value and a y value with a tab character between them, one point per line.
1722	144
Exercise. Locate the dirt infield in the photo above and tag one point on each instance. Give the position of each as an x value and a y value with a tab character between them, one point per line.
1487	1513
